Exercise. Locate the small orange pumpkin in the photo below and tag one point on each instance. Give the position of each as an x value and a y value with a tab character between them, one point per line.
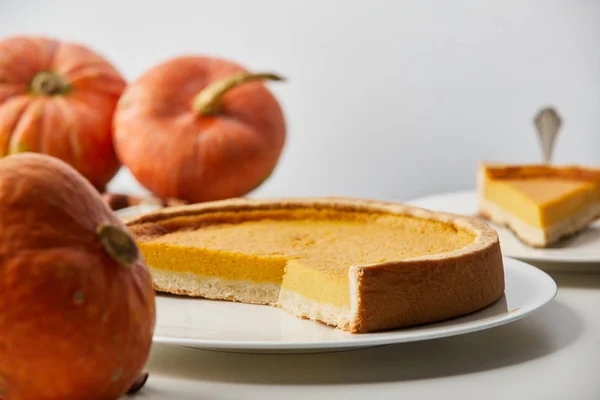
199	129
77	310
59	98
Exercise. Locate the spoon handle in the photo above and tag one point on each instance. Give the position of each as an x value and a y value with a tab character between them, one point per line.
547	123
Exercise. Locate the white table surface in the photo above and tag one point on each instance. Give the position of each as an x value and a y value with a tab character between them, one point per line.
553	354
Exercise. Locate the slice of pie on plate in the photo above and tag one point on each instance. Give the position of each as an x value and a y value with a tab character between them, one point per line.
541	204
360	266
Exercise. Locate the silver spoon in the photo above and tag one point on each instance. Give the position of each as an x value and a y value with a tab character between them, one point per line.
547	122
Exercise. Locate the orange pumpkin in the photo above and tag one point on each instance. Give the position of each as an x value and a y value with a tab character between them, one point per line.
77	310
59	98
199	129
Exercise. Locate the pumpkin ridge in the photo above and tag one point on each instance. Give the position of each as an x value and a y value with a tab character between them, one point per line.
54	45
112	84
14	133
42	121
46	141
39	44
17	118
17	90
75	147
76	68
67	115
11	70
111	88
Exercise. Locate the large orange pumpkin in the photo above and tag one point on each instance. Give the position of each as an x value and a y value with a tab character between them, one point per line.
199	129
59	98
77	308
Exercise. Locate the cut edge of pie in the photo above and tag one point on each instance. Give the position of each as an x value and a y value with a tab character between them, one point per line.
540	204
375	296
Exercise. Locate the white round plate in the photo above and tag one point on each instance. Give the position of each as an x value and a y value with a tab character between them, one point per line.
236	327
583	248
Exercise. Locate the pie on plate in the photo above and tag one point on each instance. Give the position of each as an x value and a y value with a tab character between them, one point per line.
357	265
541	204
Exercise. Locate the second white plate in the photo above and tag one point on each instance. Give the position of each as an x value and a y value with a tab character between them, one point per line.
583	248
227	326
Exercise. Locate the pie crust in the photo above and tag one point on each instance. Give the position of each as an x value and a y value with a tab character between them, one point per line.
387	295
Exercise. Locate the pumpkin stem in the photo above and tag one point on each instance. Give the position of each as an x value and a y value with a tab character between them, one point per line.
49	84
208	101
118	244
138	384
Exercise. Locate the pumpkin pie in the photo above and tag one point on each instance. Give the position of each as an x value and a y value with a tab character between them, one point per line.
541	204
357	265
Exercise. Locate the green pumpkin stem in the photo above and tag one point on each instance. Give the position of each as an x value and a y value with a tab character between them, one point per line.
118	244
49	84
208	101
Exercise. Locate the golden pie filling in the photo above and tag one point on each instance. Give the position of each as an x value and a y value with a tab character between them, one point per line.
541	202
307	251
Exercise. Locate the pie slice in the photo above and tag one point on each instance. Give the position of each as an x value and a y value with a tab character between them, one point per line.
360	266
541	204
